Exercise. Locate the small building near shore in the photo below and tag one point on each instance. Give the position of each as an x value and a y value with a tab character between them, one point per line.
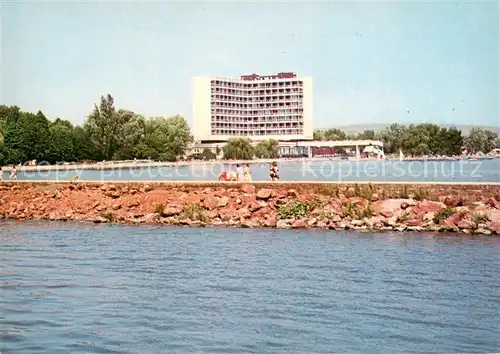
306	148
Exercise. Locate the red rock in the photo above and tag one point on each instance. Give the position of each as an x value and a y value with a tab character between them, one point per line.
387	214
450	201
388	205
116	206
254	207
114	194
264	194
375	197
283	224
190	199
350	192
413	222
133	203
244	213
248	188
249	223
112	187
269	222
292	193
172	210
211	203
212	214
454	219
495	227
466	224
299	224
492	202
429	206
207	190
226	213
222	202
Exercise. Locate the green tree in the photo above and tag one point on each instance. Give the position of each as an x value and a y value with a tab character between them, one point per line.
238	149
392	137
367	135
61	146
102	125
166	138
83	145
267	149
329	134
480	140
449	141
26	135
208	154
131	133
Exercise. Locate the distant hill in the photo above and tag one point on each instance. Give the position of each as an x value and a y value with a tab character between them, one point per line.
358	128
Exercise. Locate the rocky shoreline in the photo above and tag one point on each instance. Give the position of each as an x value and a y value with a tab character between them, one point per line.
471	209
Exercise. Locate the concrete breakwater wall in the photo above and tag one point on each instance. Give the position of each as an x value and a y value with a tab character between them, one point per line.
458	207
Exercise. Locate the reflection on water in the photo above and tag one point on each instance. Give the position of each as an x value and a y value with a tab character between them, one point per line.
80	288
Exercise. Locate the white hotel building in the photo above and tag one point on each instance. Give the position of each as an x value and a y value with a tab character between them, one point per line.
258	107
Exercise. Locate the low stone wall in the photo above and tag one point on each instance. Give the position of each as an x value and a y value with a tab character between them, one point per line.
460	207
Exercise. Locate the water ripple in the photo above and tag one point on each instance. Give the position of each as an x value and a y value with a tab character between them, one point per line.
76	288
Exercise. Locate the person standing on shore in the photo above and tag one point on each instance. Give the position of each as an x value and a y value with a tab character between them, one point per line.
239	173
246	173
233	176
13	174
273	171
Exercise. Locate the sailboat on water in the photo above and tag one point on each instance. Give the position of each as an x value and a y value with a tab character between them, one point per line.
401	156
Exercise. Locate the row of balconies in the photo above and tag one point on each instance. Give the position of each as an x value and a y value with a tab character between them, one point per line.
257	113
272	125
256	93
224	98
278	131
297	119
252	115
260	85
294	103
291	103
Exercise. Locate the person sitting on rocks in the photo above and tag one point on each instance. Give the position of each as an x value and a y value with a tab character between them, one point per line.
223	176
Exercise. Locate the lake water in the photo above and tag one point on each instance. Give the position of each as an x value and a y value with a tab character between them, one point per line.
459	171
80	288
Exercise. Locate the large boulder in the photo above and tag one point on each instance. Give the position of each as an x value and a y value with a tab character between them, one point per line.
222	201
264	194
388	207
299	224
172	210
248	188
429	206
210	202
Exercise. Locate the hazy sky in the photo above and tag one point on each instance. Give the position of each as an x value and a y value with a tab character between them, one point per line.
370	62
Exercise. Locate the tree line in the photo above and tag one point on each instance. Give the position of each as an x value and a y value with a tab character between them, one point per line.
108	133
421	139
